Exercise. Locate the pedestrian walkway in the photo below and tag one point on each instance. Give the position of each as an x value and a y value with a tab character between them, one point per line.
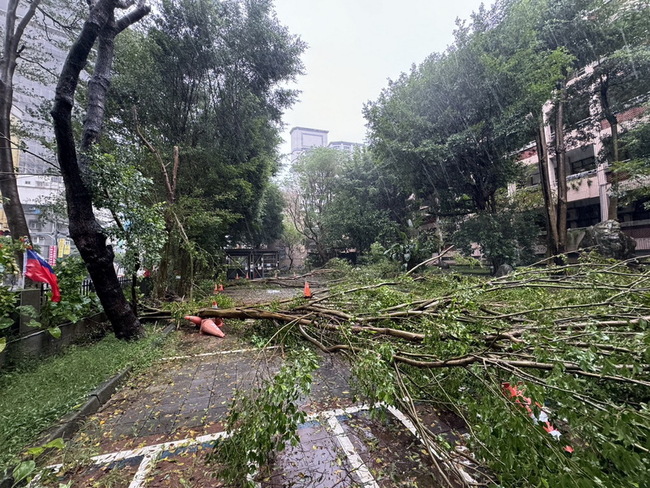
154	431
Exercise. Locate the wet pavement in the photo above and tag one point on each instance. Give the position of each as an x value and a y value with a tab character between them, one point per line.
150	434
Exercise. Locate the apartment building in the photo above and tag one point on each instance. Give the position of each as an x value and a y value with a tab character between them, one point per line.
588	165
37	169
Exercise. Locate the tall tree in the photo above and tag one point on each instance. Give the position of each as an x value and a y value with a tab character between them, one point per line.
101	27
369	205
221	106
11	49
449	126
311	190
620	71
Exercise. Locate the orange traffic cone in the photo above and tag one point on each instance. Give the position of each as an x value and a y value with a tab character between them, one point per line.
237	276
194	319
214	305
307	291
220	287
216	289
247	276
208	326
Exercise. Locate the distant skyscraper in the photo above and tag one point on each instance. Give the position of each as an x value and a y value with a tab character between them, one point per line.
345	146
303	139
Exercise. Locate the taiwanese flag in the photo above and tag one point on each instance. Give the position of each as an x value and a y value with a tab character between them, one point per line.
37	269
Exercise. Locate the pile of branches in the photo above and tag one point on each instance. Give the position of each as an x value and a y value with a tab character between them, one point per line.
571	340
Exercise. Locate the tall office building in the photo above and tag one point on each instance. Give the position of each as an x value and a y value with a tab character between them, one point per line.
37	177
303	139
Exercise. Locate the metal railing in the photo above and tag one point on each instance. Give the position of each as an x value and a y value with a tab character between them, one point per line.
88	287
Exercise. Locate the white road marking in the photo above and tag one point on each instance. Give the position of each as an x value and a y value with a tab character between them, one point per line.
146	465
216	353
458	465
152	452
356	463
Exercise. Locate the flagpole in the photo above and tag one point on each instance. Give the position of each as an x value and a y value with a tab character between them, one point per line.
21	280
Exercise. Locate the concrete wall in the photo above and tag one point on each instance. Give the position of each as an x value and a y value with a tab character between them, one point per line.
40	343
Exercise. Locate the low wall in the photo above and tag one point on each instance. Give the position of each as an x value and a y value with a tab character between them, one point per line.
41	343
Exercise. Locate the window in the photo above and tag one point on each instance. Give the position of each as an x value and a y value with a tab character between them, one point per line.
582	165
35	225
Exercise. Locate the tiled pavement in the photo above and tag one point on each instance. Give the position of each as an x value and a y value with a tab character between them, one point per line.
184	401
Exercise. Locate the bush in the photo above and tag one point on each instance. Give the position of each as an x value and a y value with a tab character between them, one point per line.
74	305
504	237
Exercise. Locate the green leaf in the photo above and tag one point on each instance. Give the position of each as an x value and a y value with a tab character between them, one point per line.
58	443
34	323
28	310
35	451
3	343
5	322
23	470
55	332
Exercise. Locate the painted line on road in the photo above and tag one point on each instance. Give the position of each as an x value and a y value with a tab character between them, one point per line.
146	465
217	353
356	463
456	464
152	452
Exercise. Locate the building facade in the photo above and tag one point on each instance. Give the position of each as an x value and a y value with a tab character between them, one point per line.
38	176
303	139
588	165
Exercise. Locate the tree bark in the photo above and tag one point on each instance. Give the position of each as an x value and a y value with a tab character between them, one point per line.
560	159
11	50
610	116
86	232
550	205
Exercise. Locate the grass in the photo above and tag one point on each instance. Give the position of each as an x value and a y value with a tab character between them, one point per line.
39	392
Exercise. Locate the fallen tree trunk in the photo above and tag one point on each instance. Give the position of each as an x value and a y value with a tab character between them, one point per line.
575	335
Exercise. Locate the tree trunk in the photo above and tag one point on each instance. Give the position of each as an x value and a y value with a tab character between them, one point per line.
613	123
13	34
134	292
550	207
560	159
8	187
84	228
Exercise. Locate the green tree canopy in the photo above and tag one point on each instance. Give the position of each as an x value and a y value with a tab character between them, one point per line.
208	77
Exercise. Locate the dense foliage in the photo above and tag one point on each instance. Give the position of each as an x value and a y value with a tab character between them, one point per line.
218	96
568	344
340	201
453	127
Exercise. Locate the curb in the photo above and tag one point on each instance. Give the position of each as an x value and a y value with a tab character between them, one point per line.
168	329
70	423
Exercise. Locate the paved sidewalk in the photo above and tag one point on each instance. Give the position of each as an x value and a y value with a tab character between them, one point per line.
153	431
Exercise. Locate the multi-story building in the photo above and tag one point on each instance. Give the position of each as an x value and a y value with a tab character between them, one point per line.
589	174
345	146
303	139
38	179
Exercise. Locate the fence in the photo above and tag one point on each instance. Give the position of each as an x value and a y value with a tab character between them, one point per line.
88	287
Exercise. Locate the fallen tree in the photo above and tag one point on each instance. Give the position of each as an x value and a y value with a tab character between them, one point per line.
573	340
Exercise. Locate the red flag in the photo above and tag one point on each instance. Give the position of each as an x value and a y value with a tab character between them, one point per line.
37	269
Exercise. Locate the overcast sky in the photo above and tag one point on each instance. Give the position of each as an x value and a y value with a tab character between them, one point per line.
354	47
